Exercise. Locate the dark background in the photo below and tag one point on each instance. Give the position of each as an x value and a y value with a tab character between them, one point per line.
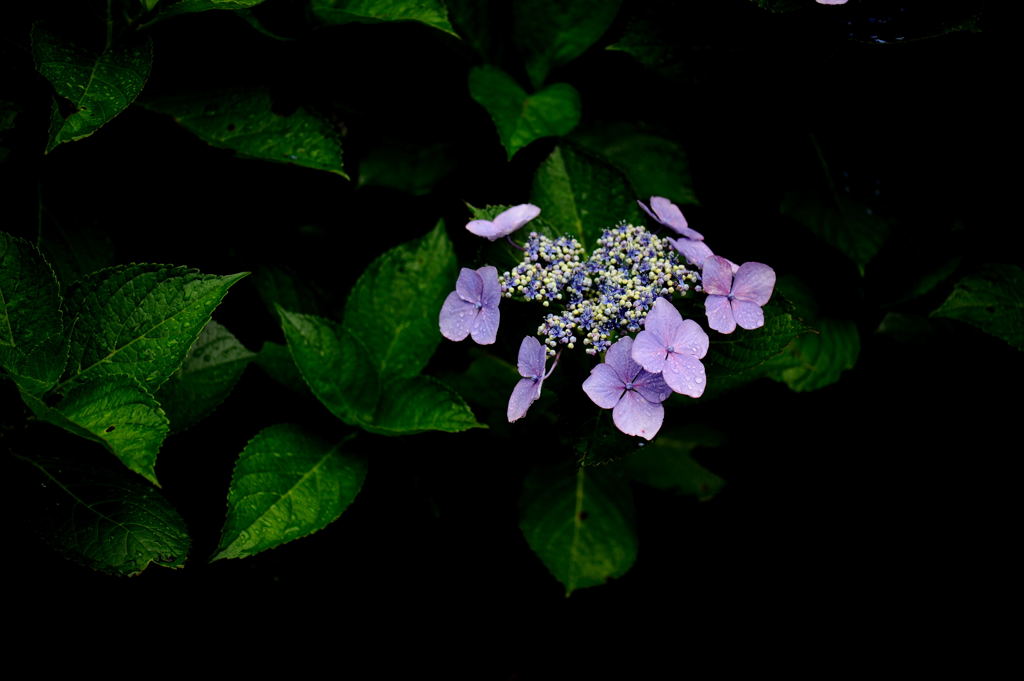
872	494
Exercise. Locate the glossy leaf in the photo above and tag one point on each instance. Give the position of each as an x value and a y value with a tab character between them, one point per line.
840	221
212	366
429	12
580	524
655	165
107	520
522	118
992	300
421	403
334	364
815	360
551	33
117	412
33	346
393	308
287	484
668	462
140	320
246	123
98	86
582	194
744	356
174	8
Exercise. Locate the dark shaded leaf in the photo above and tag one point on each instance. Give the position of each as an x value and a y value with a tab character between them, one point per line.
429	12
421	403
815	360
668	464
840	221
992	300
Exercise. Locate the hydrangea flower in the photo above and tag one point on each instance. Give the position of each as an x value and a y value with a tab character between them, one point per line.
472	308
831	2
668	214
504	223
673	347
532	357
736	297
633	394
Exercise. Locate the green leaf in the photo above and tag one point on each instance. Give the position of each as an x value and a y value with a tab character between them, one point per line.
107	520
98	86
190	6
287	484
117	412
582	195
429	12
992	300
33	346
334	364
140	320
246	123
212	366
421	403
551	33
655	165
393	308
281	286
75	253
149	4
519	117
275	359
815	360
580	525
745	355
668	463
840	221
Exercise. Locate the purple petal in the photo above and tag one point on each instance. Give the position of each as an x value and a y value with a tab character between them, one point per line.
685	375
716	276
719	313
620	358
695	252
669	215
485	228
531	358
663	320
748	315
603	386
469	285
457	317
649	351
515	217
490	294
634	415
652	387
754	282
689	339
485	328
524	394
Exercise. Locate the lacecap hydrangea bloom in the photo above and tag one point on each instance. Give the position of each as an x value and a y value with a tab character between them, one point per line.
599	301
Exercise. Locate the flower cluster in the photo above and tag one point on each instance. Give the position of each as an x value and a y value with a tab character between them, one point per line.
623	287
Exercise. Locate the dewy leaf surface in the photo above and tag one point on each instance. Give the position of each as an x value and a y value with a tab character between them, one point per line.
582	193
580	525
99	86
246	123
551	33
33	346
107	520
116	411
212	367
522	118
394	306
334	364
287	484
418	404
140	320
429	12
815	360
991	300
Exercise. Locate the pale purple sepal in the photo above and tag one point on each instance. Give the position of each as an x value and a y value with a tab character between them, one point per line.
472	308
532	358
633	394
735	297
504	223
674	347
667	213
